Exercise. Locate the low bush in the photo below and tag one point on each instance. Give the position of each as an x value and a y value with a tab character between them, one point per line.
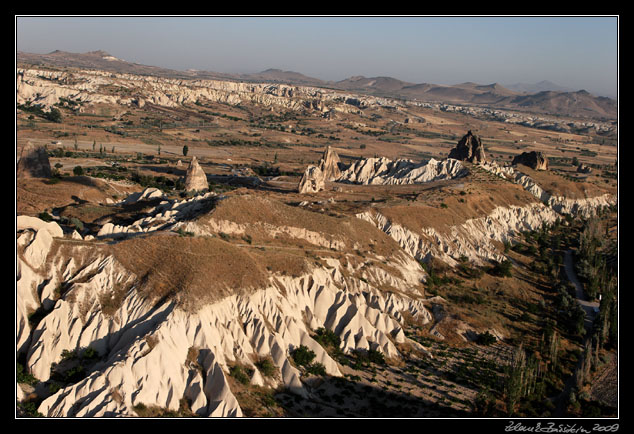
502	269
266	367
486	338
240	374
303	356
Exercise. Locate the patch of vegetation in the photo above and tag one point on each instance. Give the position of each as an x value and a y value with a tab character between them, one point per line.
25	377
54	115
502	269
486	339
111	301
364	359
184	233
28	409
303	357
241	374
327	338
45	216
153	411
266	366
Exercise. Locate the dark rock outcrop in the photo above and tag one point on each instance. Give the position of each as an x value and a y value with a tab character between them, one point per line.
33	162
582	168
534	159
469	148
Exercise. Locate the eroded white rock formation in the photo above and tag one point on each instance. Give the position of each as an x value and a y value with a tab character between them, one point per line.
575	207
145	349
45	88
312	181
472	239
386	171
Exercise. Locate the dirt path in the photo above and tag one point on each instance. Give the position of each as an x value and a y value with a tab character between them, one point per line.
589	308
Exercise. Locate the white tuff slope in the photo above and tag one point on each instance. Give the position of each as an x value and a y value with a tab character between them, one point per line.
144	348
472	239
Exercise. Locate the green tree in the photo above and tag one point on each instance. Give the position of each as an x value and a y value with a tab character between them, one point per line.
303	356
54	115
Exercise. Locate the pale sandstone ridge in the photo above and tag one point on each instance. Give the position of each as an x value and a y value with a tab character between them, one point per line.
535	160
45	88
472	239
195	178
576	207
165	215
469	148
33	162
383	171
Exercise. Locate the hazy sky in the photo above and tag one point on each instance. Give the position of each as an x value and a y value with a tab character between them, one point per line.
576	52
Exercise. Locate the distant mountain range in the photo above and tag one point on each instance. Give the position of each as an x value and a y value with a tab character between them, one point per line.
542	86
542	97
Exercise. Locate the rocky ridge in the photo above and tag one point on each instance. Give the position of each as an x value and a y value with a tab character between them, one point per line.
576	207
45	88
156	353
384	171
145	349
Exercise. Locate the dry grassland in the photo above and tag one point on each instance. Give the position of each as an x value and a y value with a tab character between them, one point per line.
194	271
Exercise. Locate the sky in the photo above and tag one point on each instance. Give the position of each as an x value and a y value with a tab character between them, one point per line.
579	52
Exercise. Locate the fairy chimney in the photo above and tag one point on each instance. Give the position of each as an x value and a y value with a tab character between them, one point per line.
195	178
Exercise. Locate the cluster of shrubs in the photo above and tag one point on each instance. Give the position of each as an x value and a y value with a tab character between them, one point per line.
571	314
303	357
54	115
502	269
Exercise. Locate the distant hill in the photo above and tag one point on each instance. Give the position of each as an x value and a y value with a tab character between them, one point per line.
542	97
375	84
542	86
580	103
91	60
279	76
